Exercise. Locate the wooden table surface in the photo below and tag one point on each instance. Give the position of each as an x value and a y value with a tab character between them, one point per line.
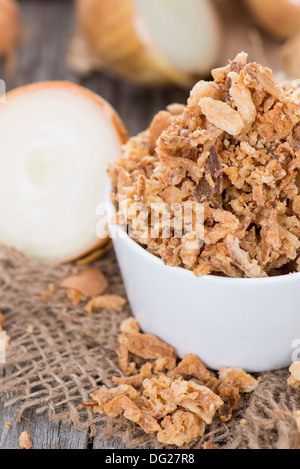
49	24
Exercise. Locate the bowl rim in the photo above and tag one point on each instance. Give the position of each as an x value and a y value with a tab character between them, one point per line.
111	211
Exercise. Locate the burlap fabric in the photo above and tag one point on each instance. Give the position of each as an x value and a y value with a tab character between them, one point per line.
69	354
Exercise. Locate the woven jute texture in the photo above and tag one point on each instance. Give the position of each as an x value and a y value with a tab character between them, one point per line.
70	353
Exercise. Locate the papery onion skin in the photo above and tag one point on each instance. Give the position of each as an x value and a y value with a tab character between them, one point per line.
117	125
10	27
110	27
281	18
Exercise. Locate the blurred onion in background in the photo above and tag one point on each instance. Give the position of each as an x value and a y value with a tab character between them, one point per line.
156	43
10	27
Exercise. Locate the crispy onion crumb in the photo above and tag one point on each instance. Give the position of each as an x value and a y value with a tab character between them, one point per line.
235	148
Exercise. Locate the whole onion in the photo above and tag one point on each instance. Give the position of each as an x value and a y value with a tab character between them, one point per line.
152	42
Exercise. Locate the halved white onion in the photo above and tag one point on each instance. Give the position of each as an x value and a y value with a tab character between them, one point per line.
56	141
153	42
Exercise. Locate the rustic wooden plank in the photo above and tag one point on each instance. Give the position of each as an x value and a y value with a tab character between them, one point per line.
44	434
50	435
9	438
136	105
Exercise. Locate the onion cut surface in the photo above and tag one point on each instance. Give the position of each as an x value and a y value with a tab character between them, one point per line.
56	141
186	33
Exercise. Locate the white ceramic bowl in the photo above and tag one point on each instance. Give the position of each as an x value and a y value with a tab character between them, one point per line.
246	323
